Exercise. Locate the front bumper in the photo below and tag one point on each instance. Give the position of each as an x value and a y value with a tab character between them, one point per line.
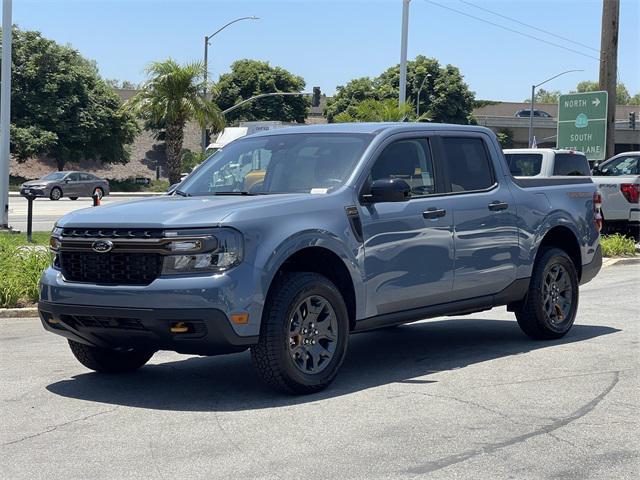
36	192
149	328
590	270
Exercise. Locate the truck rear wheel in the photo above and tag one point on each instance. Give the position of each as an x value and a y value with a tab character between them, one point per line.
550	307
303	336
105	360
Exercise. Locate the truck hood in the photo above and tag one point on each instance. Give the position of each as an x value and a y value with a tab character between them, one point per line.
171	211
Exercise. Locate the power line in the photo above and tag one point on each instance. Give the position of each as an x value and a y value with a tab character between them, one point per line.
512	30
529	26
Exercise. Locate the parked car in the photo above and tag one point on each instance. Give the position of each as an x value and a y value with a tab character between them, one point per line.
546	162
289	241
536	113
66	184
618	180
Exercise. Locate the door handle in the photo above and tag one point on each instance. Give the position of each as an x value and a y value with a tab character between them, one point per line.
433	212
498	206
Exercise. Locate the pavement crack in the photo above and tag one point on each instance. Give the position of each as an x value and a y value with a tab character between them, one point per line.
491	448
55	427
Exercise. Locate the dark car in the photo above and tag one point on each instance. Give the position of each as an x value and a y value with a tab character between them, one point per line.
526	113
66	184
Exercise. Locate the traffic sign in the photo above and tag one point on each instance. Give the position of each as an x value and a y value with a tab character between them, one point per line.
582	123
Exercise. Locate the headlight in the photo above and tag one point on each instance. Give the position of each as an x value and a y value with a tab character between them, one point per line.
54	246
224	247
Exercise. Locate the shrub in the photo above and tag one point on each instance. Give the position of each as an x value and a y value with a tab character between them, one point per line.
617	245
21	265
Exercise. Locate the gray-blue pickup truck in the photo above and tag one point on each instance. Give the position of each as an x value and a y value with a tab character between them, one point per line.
288	242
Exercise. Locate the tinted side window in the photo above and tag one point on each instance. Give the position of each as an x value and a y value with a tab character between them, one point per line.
409	160
74	177
571	164
85	177
622	166
468	164
524	164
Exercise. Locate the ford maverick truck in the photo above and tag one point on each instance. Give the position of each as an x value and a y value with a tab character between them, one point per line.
289	241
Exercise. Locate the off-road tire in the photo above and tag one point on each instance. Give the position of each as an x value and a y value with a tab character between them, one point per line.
531	315
271	356
105	360
56	196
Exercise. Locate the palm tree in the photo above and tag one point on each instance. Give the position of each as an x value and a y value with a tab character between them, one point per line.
171	97
371	110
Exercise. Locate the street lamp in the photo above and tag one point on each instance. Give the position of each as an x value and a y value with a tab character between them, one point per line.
533	94
428	76
403	53
206	65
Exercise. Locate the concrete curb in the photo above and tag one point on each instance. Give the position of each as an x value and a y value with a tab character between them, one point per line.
18	312
609	262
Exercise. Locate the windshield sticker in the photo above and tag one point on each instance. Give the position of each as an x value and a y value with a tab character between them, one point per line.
319	191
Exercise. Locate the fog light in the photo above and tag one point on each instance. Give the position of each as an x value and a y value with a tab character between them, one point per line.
180	327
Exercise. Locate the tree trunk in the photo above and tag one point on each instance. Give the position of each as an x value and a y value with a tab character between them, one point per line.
174	137
60	163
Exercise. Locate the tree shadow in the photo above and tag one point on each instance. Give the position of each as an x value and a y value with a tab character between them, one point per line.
229	383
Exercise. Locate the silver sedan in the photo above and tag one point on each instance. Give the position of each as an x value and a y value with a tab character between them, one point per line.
66	184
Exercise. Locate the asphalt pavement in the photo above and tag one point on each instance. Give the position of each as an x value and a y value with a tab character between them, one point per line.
464	398
46	212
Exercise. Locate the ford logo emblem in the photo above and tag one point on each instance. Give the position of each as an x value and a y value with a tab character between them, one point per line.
102	246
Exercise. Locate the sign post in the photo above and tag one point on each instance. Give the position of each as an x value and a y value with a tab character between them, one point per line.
582	123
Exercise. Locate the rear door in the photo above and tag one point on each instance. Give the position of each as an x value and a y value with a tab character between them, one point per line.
484	216
408	246
87	184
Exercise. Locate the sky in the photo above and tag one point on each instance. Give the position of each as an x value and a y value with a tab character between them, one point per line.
329	43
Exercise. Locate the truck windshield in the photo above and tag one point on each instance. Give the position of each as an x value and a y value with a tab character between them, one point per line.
290	163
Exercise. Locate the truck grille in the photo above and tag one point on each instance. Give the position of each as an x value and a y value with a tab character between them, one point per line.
126	233
111	268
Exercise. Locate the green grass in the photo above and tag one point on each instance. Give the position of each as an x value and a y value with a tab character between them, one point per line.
617	246
21	264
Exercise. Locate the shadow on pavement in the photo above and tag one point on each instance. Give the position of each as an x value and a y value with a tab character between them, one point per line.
229	383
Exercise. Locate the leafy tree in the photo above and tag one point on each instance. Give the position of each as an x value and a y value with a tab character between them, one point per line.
545	96
622	94
61	107
505	137
252	77
371	110
635	100
348	96
444	97
169	99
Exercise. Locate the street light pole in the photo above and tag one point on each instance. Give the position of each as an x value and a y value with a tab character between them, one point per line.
5	114
205	88
403	53
533	95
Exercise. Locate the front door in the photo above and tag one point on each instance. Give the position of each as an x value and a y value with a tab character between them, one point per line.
484	216
408	246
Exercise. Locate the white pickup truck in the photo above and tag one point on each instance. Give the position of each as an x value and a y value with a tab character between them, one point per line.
546	162
618	180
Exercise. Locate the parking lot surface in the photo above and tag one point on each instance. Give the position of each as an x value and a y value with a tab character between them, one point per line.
465	398
46	212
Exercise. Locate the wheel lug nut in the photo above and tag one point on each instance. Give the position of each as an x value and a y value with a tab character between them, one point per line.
316	332
313	342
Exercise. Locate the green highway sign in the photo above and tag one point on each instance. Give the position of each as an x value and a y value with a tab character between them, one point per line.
582	123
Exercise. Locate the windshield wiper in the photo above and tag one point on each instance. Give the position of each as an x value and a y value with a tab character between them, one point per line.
243	192
182	194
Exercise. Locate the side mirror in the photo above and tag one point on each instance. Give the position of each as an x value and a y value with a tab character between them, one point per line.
388	190
596	169
67	180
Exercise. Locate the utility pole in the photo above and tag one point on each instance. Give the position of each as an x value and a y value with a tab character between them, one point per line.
403	53
609	66
5	117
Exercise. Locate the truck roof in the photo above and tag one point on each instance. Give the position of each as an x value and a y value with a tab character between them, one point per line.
373	128
541	150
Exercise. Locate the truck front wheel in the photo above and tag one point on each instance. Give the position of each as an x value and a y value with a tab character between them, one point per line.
303	336
105	360
551	304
